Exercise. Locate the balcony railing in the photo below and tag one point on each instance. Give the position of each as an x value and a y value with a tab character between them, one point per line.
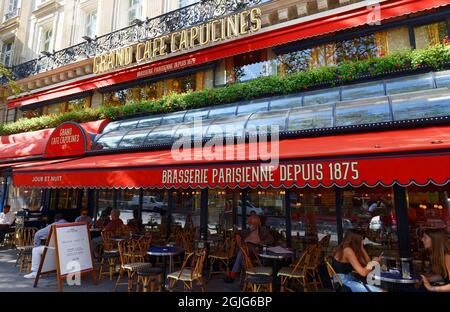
197	13
11	14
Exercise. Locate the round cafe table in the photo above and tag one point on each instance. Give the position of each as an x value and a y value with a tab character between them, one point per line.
394	281
165	252
276	259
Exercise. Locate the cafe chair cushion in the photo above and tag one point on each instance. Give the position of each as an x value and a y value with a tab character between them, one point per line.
136	266
260	270
259	279
185	275
289	273
149	271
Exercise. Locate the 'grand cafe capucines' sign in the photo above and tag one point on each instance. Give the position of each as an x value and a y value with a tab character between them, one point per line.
232	26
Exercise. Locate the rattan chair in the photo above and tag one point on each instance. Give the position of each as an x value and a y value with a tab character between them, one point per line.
24	245
223	257
110	255
190	271
312	272
296	273
333	276
128	264
252	267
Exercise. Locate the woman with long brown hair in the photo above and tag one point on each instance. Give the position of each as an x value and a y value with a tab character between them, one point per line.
351	256
436	240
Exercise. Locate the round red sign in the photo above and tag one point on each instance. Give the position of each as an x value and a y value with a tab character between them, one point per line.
69	139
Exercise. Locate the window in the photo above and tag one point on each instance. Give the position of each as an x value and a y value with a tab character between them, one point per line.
134	10
46	40
184	3
12	9
430	34
91	24
20	198
59	108
6	55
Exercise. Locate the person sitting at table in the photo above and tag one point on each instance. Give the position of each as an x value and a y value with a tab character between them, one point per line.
84	217
103	220
436	241
38	250
135	225
351	256
6	220
256	235
115	227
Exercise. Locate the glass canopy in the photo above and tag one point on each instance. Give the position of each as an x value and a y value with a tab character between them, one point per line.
358	104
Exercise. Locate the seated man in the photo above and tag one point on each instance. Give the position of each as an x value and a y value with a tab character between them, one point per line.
114	227
38	250
84	217
6	220
135	225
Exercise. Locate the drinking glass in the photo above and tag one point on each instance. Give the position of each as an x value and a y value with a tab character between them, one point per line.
405	270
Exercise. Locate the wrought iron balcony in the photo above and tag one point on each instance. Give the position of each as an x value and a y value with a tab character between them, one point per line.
11	14
197	13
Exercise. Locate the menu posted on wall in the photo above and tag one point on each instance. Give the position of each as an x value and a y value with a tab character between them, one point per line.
74	248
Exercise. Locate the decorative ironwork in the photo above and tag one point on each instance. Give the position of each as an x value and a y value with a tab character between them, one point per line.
197	13
12	14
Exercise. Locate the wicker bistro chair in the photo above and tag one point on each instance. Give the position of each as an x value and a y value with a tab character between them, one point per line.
187	274
312	271
335	280
149	277
252	267
296	273
128	264
110	255
223	256
24	245
324	244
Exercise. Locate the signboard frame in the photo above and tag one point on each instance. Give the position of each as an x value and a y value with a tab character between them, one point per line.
54	236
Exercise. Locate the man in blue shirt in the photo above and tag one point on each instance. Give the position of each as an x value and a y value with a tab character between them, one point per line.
38	250
84	217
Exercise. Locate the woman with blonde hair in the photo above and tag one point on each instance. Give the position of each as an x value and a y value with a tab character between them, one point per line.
436	240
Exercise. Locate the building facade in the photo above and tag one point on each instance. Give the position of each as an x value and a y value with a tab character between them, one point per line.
362	146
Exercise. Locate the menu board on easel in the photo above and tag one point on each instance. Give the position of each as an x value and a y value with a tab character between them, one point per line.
67	252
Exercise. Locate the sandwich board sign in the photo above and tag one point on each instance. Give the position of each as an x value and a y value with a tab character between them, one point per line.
68	252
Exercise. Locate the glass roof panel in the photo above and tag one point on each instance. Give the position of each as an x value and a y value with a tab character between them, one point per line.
222	111
196	130
260	105
282	102
150	122
161	135
362	90
128	124
409	84
304	118
227	126
135	138
363	111
321	97
442	78
173	118
197	114
111	139
423	104
111	126
264	121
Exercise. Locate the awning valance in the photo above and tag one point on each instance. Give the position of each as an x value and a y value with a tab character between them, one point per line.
403	157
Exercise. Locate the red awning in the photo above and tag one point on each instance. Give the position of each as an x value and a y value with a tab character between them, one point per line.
418	156
32	144
264	39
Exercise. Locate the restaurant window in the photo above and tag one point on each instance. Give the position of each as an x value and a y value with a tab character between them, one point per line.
58	108
105	200
360	48
428	207
269	205
186	207
157	89
222	210
154	205
431	34
313	216
11	9
372	211
246	67
126	200
21	198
